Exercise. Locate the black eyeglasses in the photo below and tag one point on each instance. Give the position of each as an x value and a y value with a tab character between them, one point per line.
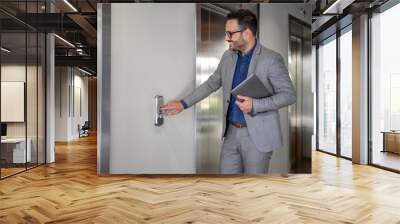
230	34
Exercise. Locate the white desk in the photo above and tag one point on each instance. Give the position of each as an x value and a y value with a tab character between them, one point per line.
19	149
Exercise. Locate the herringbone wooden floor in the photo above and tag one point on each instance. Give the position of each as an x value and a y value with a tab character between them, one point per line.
69	191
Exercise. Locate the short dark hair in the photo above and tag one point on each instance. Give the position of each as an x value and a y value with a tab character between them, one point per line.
245	18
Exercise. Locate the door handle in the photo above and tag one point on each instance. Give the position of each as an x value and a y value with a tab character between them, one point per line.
158	116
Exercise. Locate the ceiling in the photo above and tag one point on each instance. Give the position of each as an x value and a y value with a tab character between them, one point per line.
76	20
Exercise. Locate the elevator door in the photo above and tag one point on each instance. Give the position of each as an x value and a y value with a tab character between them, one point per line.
209	115
300	113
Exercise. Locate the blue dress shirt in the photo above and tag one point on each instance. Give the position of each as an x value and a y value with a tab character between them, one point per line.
235	115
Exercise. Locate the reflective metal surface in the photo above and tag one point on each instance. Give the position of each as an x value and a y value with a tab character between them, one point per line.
103	85
158	116
300	113
209	114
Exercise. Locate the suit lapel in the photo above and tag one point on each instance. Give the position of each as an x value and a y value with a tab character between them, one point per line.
231	71
254	59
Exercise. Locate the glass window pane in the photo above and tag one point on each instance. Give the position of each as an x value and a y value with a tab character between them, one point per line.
22	89
385	84
13	86
346	94
327	96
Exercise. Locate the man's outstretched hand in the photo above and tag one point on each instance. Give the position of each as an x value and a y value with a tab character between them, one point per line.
172	108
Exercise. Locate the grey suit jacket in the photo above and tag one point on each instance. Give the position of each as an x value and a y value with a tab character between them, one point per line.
263	122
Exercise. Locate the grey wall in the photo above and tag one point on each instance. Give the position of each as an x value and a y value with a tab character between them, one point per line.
162	63
274	34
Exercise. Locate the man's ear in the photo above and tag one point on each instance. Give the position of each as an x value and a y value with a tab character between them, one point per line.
247	33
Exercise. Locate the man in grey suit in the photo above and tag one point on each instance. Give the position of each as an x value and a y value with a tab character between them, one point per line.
251	130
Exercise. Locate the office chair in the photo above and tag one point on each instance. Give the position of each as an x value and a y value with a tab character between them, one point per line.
84	130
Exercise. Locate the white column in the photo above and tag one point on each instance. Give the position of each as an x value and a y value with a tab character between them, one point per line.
50	99
360	90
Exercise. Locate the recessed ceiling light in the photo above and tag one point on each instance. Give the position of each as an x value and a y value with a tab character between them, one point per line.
64	40
70	5
337	7
84	71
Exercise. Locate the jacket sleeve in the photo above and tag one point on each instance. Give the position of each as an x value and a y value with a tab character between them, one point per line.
284	93
213	83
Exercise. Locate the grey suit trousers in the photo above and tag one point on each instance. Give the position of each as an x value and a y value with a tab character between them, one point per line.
240	155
